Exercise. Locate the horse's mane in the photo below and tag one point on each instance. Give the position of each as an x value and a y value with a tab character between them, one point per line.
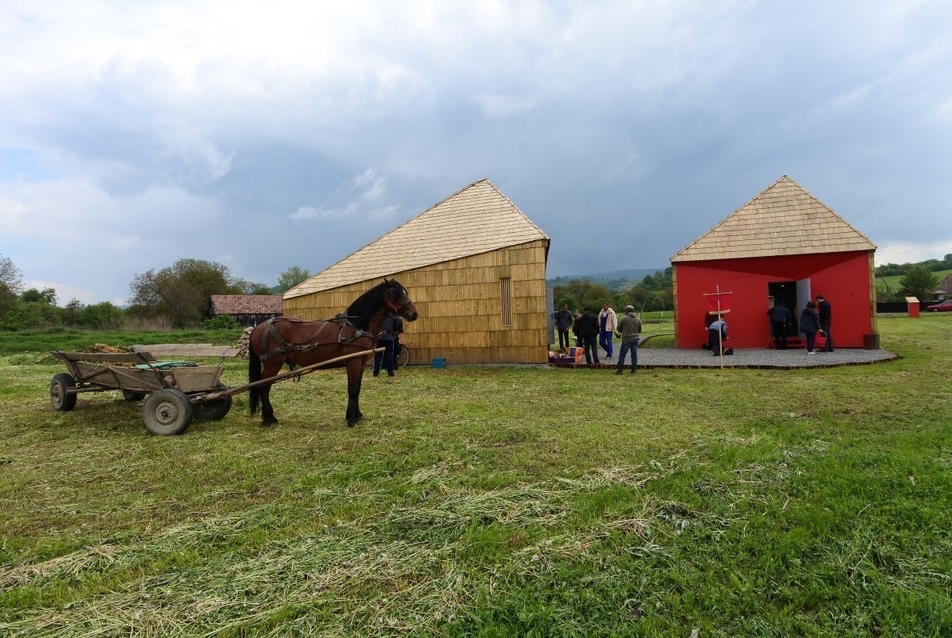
366	305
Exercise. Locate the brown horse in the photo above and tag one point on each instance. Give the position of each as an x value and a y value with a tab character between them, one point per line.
302	343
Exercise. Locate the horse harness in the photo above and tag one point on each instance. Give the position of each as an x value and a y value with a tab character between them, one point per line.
342	320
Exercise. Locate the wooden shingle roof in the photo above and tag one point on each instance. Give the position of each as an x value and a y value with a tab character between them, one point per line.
475	220
782	220
247	304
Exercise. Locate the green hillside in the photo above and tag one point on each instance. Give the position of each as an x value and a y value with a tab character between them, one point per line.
891	282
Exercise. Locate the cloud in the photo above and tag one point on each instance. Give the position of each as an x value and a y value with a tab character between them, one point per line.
908	253
133	134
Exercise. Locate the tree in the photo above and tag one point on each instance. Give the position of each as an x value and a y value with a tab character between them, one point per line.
580	293
10	285
294	276
180	292
47	295
101	316
242	287
919	282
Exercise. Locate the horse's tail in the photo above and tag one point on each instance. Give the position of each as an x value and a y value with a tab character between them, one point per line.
254	373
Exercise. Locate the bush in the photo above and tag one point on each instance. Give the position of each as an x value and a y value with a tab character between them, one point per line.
221	322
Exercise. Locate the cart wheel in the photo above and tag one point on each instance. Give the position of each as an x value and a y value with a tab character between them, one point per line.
167	411
60	396
403	357
132	395
212	410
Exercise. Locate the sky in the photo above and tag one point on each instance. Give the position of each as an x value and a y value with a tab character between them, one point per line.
266	135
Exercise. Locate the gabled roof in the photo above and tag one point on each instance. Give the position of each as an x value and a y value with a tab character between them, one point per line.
247	304
475	220
782	220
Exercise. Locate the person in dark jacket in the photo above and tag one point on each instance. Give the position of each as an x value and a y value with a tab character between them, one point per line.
578	337
825	309
386	339
588	330
810	325
779	322
563	322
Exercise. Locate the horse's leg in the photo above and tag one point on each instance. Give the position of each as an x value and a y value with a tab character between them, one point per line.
355	376
254	373
264	393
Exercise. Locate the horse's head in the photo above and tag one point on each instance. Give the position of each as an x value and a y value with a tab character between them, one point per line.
398	300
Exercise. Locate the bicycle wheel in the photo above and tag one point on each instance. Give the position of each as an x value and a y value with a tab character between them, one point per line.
403	356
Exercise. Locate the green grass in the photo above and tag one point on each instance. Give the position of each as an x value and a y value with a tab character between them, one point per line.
493	502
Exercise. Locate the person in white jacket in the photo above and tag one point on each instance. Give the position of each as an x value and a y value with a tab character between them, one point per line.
607	323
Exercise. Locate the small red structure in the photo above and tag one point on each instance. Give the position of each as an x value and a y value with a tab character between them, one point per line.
913	304
782	247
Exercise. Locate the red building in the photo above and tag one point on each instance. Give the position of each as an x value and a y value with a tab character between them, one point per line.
782	247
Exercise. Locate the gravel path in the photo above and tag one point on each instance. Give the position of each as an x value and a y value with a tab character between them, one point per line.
747	358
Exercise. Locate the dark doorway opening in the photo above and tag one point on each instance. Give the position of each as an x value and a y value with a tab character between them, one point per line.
785	293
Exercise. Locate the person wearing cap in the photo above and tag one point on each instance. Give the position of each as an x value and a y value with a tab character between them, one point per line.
630	328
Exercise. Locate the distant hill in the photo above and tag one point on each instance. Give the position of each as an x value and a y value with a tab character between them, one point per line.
624	278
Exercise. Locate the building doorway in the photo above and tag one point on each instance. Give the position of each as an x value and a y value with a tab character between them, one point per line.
785	293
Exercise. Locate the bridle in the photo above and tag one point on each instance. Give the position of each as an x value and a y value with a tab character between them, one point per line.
393	306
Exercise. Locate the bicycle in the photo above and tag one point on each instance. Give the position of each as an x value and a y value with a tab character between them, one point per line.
401	356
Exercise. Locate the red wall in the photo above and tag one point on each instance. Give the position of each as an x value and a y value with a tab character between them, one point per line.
842	277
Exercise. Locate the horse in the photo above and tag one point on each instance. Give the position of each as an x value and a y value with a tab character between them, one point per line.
299	343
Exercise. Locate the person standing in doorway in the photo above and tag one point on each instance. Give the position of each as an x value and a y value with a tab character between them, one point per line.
630	328
825	310
607	323
810	325
563	323
588	331
779	322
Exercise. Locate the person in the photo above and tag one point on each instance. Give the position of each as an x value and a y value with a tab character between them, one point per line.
825	310
608	323
578	338
717	335
810	324
630	328
779	322
397	333
588	331
386	340
563	322
708	320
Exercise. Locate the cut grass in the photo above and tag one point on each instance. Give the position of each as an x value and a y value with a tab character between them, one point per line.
496	502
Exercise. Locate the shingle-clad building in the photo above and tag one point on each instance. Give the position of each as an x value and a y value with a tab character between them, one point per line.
474	265
783	246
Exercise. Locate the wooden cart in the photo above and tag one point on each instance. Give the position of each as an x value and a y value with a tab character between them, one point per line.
174	392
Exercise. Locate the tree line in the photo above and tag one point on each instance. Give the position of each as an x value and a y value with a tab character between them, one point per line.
654	292
176	296
931	265
917	280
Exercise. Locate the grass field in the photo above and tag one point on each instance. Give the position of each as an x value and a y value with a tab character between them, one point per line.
491	501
